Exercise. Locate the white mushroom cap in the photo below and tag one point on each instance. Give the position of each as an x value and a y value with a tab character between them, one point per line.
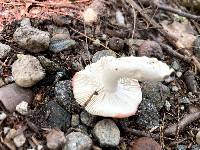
110	86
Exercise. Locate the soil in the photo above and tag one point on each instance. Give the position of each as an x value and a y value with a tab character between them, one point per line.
83	52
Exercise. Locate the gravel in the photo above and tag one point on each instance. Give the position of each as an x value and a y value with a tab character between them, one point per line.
156	92
4	50
102	53
32	39
87	119
78	141
27	71
19	140
75	120
107	133
148	116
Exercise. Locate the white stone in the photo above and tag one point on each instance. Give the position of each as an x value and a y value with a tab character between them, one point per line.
6	130
175	88
22	108
198	138
2	116
19	140
4	50
27	71
178	74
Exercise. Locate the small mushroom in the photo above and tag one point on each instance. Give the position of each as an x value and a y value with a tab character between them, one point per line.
110	87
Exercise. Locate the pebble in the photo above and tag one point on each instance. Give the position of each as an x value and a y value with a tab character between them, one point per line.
146	143
64	96
55	139
181	147
61	45
107	133
179	74
169	79
2	83
78	141
58	30
116	44
25	22
151	91
184	100
167	105
57	116
148	116
11	95
19	140
175	88
2	115
48	65
11	134
102	53
150	49
190	81
198	138
87	119
22	108
175	65
97	43
133	45
6	130
27	70
32	39
197	47
195	147
61	20
75	120
4	50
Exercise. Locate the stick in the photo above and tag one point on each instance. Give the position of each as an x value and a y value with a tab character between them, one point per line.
189	118
177	11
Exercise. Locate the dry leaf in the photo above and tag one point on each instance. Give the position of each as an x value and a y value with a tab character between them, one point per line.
182	31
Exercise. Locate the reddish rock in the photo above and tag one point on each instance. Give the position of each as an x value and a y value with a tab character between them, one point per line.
145	143
11	95
150	49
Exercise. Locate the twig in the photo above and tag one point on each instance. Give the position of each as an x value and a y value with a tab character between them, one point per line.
177	11
172	52
142	133
189	118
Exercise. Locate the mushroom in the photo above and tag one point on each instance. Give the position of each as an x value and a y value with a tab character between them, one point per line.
110	87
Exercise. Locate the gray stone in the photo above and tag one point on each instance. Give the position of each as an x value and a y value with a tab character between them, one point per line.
48	65
197	47
58	30
32	39
87	119
27	71
102	53
57	46
75	120
107	133
184	100
64	96
148	116
175	65
195	147
57	116
78	141
19	140
25	22
156	92
181	147
4	50
55	139
175	88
